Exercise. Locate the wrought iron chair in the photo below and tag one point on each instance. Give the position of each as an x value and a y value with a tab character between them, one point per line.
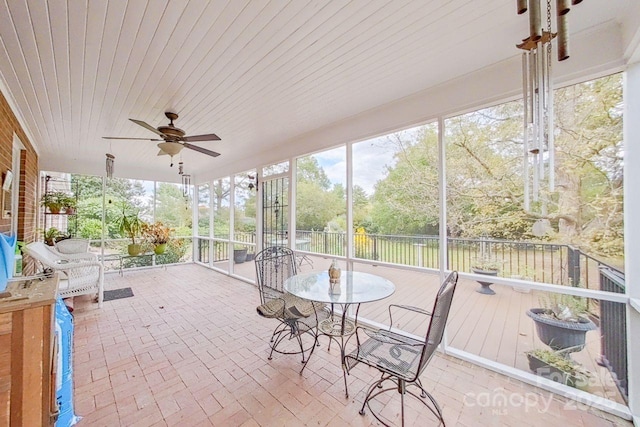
401	359
296	316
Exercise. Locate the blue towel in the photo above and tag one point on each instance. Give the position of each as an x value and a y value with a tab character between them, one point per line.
7	258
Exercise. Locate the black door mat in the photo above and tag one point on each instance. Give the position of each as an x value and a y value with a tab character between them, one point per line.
117	294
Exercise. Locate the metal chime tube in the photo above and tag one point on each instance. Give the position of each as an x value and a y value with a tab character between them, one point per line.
563	37
535	31
541	118
535	143
525	129
562	7
532	72
551	128
522	6
110	165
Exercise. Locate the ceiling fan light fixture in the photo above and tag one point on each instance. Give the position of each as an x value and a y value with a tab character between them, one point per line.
171	148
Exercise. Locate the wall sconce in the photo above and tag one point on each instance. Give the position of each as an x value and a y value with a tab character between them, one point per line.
110	165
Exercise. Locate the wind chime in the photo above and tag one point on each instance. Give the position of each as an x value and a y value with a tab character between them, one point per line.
537	93
110	165
186	180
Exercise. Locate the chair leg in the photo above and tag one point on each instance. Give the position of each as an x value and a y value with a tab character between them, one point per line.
313	347
299	338
402	388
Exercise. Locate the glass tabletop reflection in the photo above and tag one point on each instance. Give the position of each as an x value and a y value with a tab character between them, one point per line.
354	287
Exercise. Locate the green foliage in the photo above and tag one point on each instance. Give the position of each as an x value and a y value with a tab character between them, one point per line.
319	205
564	307
560	362
55	200
90	228
51	234
176	251
130	224
171	207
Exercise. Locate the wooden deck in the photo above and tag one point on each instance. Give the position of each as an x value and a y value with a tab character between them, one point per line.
494	327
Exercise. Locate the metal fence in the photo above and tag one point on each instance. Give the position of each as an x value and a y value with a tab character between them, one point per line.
613	327
542	262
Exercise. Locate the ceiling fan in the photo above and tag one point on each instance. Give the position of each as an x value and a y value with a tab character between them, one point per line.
173	138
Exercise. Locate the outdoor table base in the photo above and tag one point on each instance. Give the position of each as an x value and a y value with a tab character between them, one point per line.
354	288
339	329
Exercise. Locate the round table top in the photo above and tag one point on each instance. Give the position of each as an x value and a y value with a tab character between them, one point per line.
354	288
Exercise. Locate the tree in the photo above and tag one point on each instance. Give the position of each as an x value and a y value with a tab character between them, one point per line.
172	209
590	164
485	182
319	204
406	200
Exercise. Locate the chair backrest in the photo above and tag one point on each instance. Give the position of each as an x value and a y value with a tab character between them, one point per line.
439	316
41	252
72	246
274	265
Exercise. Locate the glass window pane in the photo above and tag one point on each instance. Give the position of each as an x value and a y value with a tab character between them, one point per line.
89	200
321	202
245	208
276	169
204	209
395	197
220	206
173	209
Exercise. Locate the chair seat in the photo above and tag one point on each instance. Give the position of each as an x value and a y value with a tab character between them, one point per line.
287	306
390	352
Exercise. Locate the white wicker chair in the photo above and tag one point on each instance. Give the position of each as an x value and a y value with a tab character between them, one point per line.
81	274
72	246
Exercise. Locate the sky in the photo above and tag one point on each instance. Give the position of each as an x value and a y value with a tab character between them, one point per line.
371	159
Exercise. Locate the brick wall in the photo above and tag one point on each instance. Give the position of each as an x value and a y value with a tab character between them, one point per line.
28	179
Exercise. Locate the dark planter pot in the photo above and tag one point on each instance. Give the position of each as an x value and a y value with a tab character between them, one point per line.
250	256
541	368
239	256
485	287
560	334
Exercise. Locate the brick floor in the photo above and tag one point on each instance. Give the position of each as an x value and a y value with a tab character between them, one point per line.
189	349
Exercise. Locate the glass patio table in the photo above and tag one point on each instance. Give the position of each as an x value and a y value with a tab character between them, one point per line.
354	288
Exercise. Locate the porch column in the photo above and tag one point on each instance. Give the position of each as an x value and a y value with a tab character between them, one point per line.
632	230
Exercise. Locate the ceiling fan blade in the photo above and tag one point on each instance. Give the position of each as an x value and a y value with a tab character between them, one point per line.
148	126
207	137
162	153
201	150
124	137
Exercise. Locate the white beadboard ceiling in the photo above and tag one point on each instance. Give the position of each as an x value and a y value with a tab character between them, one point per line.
255	72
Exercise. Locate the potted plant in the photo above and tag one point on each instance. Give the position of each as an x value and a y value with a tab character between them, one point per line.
53	201
68	203
158	235
554	365
50	236
239	254
489	267
562	323
130	225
